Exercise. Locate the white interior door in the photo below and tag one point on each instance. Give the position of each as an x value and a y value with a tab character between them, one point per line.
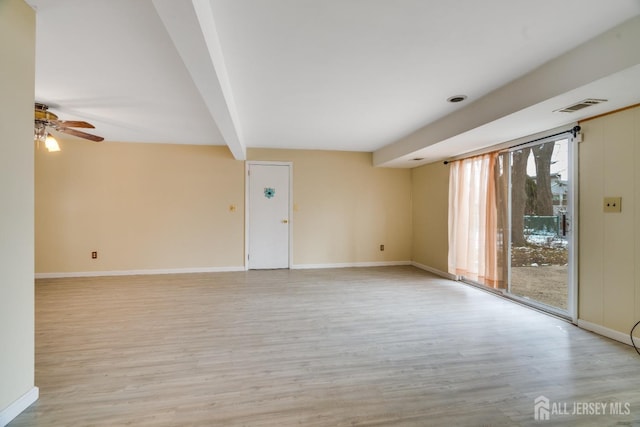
268	215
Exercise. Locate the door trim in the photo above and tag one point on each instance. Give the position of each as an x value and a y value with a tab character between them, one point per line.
247	208
574	283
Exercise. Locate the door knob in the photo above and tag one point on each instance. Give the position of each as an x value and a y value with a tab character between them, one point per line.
285	221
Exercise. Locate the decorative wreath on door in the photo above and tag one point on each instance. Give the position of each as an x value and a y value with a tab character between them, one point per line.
269	192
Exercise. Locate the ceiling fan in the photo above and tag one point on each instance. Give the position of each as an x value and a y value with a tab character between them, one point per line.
45	119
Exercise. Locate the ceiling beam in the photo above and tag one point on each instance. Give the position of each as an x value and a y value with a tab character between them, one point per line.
192	29
609	53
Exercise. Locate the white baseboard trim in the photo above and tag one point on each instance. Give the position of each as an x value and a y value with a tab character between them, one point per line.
16	408
138	272
351	264
435	271
606	332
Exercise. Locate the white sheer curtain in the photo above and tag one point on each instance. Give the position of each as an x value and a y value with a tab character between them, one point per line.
473	234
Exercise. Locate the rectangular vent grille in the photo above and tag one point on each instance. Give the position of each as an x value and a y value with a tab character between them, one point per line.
582	104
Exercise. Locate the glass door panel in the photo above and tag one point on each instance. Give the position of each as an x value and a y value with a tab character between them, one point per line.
539	216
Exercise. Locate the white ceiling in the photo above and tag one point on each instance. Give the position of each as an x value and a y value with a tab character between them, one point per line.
358	75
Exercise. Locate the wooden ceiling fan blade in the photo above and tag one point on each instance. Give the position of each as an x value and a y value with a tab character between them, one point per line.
74	124
81	134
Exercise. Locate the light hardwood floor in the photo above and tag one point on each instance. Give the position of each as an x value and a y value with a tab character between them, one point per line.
346	347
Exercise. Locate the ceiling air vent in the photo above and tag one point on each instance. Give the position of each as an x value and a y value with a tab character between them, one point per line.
582	104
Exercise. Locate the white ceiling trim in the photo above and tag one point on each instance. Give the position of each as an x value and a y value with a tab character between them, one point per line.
202	55
612	52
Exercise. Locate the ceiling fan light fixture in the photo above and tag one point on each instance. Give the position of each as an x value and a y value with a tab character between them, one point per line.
39	132
51	144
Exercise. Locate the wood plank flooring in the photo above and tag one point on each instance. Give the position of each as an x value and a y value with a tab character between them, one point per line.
390	346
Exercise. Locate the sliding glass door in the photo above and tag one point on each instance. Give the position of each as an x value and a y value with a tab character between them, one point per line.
540	267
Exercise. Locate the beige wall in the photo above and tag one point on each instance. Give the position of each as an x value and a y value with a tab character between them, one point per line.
164	207
141	206
344	208
430	193
609	245
17	50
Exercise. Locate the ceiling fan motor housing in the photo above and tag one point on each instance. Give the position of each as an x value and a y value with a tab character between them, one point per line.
42	113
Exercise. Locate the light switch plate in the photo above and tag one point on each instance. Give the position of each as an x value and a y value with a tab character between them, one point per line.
612	204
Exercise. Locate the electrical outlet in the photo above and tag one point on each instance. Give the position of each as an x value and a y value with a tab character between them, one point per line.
612	204
94	255
381	247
